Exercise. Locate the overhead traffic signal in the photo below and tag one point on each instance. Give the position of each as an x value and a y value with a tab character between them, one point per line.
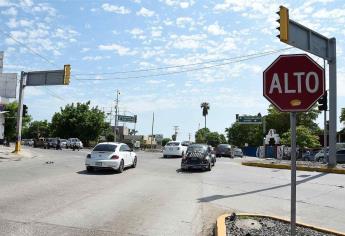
323	102
283	24
25	110
67	74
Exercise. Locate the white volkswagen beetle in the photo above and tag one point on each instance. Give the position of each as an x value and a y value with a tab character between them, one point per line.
111	155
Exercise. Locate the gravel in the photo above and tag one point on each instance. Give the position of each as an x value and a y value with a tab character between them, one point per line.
250	226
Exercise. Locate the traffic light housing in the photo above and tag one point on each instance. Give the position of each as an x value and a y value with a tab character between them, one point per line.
323	102
67	74
283	24
25	110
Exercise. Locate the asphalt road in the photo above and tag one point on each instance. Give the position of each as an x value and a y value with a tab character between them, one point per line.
38	197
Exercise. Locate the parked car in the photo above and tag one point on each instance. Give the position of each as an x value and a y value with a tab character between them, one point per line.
320	155
309	155
111	155
63	143
74	143
175	148
340	155
224	150
238	152
50	143
198	156
39	142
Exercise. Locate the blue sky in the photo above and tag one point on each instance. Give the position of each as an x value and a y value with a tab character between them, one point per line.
98	37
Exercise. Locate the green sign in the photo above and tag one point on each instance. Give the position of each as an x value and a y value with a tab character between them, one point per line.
245	119
130	119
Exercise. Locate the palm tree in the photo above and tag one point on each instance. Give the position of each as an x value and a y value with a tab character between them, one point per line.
205	107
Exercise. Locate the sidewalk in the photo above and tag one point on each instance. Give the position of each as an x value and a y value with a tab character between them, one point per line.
6	154
301	165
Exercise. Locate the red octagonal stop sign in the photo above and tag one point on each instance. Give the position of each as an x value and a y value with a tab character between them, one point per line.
294	82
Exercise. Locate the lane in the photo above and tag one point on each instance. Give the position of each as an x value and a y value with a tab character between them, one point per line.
155	198
141	201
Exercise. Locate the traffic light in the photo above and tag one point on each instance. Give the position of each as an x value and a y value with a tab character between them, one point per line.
25	110
323	102
283	24
67	74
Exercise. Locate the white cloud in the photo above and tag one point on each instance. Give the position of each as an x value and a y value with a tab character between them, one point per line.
187	41
145	12
94	58
156	33
183	21
180	3
10	11
5	3
121	50
215	29
154	81
26	3
136	31
115	9
85	49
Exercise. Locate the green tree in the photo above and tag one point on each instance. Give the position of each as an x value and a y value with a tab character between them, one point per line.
280	121
200	135
222	138
214	138
37	129
239	134
11	121
165	141
342	115
205	107
79	120
304	138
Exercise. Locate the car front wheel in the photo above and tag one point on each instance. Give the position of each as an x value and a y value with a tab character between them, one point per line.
209	168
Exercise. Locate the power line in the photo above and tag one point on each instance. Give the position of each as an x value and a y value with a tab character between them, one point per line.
189	70
27	47
185	65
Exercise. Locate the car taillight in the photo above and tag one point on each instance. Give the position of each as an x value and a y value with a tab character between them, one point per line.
88	156
114	157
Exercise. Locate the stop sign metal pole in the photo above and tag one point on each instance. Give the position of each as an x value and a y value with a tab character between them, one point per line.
293	172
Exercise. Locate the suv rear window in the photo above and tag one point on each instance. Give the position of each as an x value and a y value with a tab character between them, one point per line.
105	148
173	144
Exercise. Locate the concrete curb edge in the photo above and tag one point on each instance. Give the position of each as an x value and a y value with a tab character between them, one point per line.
221	227
286	166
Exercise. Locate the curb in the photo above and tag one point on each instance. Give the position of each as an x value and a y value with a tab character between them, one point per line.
286	166
221	227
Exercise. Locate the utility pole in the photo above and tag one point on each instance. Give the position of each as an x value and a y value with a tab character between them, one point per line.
176	131
189	137
20	113
116	112
153	121
325	130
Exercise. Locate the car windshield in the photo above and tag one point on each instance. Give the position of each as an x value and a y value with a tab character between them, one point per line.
197	148
173	144
105	148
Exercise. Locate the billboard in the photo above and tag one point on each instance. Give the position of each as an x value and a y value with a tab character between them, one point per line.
8	85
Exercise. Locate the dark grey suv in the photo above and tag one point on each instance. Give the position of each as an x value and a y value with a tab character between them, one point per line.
198	156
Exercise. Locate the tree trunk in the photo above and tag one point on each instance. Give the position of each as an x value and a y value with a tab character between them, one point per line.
205	122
